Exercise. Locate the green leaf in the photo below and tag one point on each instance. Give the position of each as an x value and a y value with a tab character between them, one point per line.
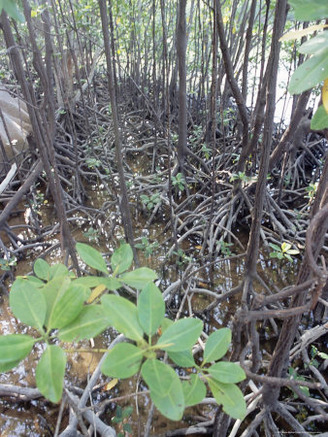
180	336
122	314
158	376
111	283
13	349
166	323
165	388
67	307
183	358
12	10
227	372
50	372
230	397
275	247
217	345
320	119
315	44
41	269
171	405
58	270
306	10
89	323
28	305
194	390
122	259
123	361
52	291
310	73
139	278
151	308
91	257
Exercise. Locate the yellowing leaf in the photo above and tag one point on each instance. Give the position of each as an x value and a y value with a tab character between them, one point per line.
199	247
325	95
296	34
96	292
111	384
118	52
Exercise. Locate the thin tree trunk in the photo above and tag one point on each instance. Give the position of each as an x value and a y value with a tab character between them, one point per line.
181	54
124	201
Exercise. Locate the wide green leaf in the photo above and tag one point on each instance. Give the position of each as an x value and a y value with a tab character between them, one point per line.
194	390
52	291
172	404
111	283
68	306
320	119
230	397
310	73
227	372
123	361
88	324
139	278
122	315
28	305
217	345
14	348
151	308
180	336
306	10
182	358
50	372
91	257
58	269
41	269
159	376
122	258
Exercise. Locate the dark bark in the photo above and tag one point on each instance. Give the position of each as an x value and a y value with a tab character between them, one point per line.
124	201
39	119
181	54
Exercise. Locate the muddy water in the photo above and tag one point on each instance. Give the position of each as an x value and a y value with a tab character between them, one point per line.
38	418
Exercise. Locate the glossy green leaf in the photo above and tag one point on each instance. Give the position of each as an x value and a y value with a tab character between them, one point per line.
194	390
111	284
182	358
122	314
310	73
89	323
306	10
13	349
227	372
217	345
320	119
230	397
180	336
139	278
28	305
315	44
151	308
52	291
122	258
172	404
67	307
158	376
50	372
41	269
91	257
123	361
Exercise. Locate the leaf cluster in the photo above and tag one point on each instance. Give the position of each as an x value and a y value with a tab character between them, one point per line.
63	308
